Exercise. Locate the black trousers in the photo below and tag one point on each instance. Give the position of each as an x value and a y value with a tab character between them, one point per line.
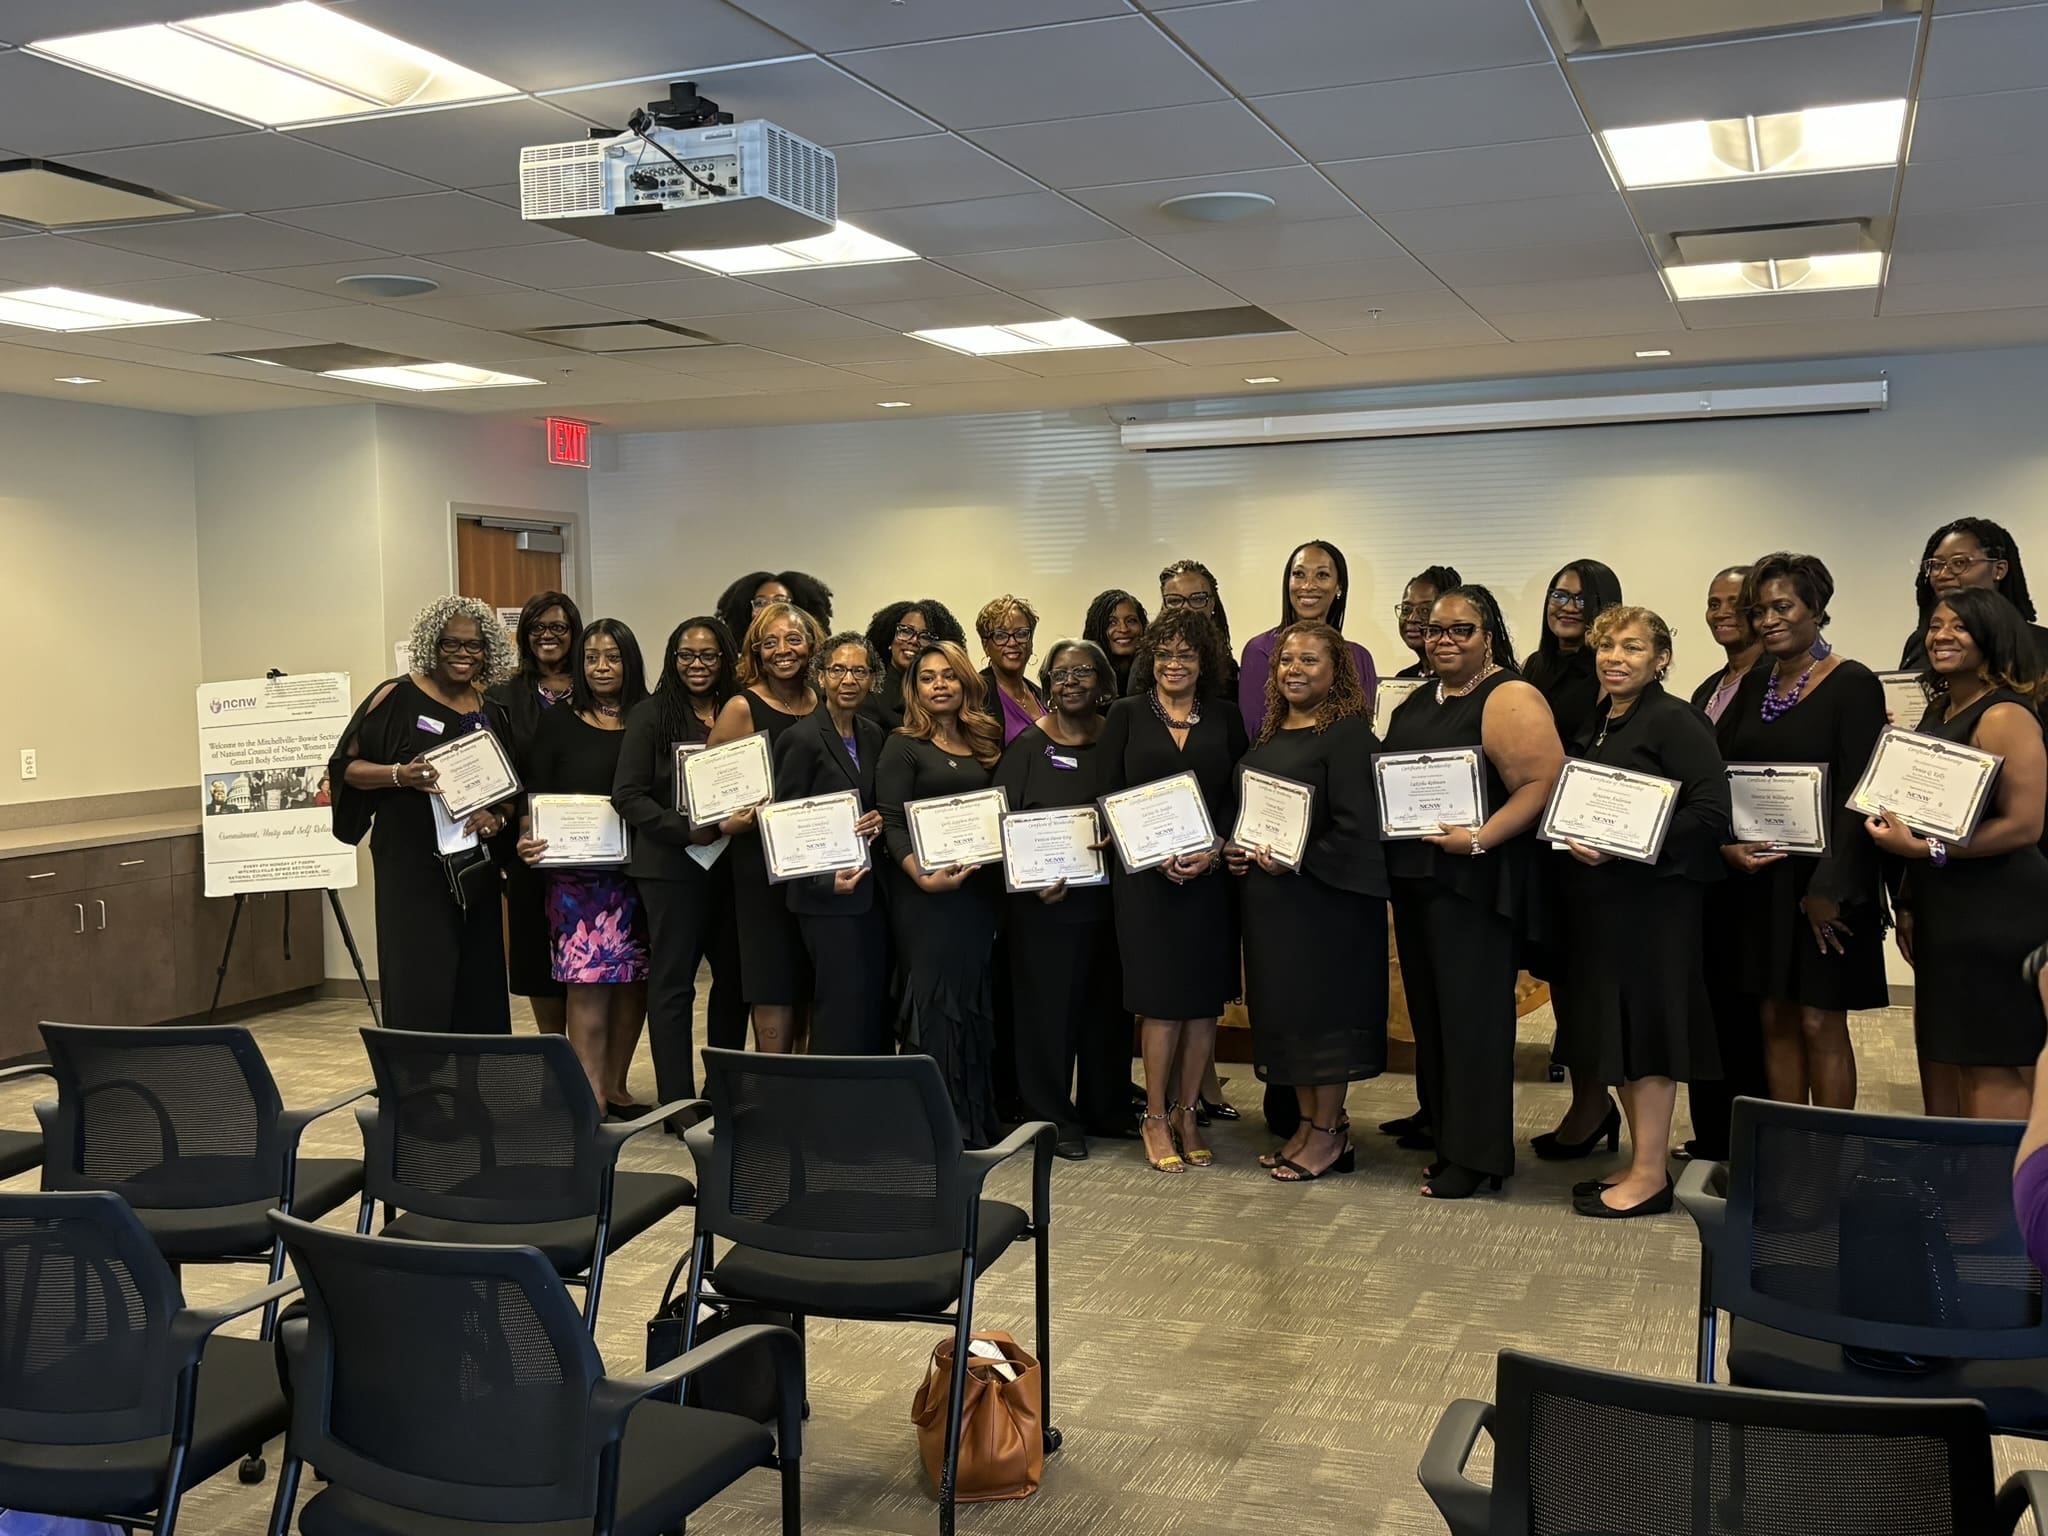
1738	1026
689	921
440	969
850	997
1458	965
1067	1014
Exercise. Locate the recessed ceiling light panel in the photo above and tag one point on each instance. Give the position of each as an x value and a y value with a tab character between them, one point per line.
278	66
844	247
1032	336
52	196
66	309
1780	144
430	376
1746	279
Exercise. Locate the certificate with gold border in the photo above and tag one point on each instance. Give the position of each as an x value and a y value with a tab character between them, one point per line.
1611	810
1151	823
1937	787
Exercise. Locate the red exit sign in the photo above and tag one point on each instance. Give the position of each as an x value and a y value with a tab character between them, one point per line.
568	442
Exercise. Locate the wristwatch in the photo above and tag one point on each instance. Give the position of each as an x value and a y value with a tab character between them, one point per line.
1937	852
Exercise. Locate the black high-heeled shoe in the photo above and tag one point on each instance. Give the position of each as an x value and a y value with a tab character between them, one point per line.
1214	1109
1457	1182
1553	1150
1406	1125
1592	1205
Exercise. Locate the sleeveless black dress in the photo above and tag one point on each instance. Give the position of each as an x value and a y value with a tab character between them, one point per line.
775	968
1974	921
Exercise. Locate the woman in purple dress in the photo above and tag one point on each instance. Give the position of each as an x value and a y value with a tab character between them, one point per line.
1314	588
1007	626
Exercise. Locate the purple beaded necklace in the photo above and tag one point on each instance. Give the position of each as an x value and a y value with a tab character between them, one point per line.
1775	704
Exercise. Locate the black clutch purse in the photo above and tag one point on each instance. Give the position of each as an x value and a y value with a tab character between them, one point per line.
472	876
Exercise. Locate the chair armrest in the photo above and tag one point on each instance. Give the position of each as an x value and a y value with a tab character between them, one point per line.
1703	1191
1466	1506
2023	1491
614	1397
1039	1136
293	1122
25	1071
616	1136
193	1326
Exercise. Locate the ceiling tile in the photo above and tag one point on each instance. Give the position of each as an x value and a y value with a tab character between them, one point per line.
457	146
405	330
1243	349
1951	268
1570	293
771	329
832	26
1301	194
987	224
2021	291
1210	138
2017	224
1956	184
810	97
714	362
937	168
541	47
1090	360
231	243
1985	51
1951	128
560	264
251	172
1398	117
684	298
1040	74
1264	46
1833	197
1540	221
320	277
516	310
1466	330
210	336
1776	72
1332	280
1605	320
792	376
1445	178
434	221
1402	308
1058	266
51	109
58	259
1265	243
1159	296
885	282
222	295
937	367
877	344
1542	263
990	308
1779	309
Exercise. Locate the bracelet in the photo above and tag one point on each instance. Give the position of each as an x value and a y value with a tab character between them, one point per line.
394	776
1477	847
1937	852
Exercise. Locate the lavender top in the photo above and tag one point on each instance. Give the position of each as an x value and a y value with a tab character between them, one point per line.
2030	1204
1257	666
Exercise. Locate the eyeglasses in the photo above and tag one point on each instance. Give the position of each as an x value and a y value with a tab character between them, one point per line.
1955	565
1201	602
1009	636
767	602
1173	658
1559	598
1081	674
699	658
914	636
461	647
1406	611
548	631
840	674
1458	632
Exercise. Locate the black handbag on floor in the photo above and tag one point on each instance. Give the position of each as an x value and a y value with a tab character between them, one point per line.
744	1383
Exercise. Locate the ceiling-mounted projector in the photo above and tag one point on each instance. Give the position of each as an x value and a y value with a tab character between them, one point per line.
682	175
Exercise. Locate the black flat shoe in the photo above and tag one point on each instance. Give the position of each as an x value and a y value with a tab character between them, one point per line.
1418	1140
1406	1125
627	1111
1214	1109
1456	1182
1592	1205
1072	1148
1590	1187
1552	1150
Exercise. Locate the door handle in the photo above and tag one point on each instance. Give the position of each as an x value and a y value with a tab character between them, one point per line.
103	915
79	908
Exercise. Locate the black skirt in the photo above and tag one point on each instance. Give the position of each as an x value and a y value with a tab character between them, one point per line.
1312	1026
1632	997
1974	921
1178	943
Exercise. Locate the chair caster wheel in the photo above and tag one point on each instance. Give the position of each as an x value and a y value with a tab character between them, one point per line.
1053	1440
251	1469
1557	1073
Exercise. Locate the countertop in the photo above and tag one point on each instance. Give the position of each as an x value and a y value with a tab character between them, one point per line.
62	837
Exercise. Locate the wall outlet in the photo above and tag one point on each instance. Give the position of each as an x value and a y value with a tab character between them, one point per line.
28	762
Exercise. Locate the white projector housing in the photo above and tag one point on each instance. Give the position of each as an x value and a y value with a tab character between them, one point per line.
623	192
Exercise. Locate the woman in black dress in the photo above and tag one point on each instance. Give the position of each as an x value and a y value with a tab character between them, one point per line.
840	916
441	962
1064	987
689	906
1115	622
1811	945
747	598
945	919
1969	552
1635	1011
597	933
1969	914
775	693
1466	901
1175	928
1306	1034
895	633
547	635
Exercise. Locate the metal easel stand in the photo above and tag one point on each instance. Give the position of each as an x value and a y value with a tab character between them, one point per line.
220	976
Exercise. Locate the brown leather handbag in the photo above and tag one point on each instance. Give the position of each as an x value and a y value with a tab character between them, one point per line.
1002	1439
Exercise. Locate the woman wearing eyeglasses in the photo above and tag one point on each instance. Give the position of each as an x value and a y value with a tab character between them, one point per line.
441	960
1314	585
689	902
1969	552
1064	987
1115	623
1007	626
547	636
1412	612
896	632
746	599
844	930
775	693
1466	901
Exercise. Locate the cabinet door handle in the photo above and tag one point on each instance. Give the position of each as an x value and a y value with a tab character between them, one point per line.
131	863
79	908
103	915
48	874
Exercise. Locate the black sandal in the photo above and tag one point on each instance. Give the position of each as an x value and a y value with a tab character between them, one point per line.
1344	1162
1457	1182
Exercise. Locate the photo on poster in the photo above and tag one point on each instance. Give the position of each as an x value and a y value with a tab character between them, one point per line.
266	804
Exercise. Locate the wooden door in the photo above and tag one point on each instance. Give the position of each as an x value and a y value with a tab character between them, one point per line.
46	954
135	952
490	564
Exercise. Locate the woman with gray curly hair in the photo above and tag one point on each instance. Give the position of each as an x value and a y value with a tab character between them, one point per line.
442	962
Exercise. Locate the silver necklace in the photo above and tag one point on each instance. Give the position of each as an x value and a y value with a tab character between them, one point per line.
1485	672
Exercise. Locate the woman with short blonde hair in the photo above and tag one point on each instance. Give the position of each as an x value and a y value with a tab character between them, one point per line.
1007	626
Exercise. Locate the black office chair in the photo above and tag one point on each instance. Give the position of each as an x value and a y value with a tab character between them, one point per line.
21	1150
1870	1256
1579	1452
115	1397
445	1388
497	1139
841	1183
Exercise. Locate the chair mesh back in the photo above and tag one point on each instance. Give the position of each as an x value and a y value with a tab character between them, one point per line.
1591	1453
833	1157
85	1310
449	1374
482	1128
1884	1225
168	1117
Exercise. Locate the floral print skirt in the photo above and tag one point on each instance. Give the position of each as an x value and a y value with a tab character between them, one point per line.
598	932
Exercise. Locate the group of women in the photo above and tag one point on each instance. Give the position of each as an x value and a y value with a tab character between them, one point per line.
1730	967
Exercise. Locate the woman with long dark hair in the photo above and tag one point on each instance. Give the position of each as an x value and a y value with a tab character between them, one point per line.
1115	623
1561	666
745	599
1970	552
689	904
1315	586
1191	585
895	633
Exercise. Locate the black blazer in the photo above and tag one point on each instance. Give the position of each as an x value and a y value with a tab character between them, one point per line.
644	793
810	759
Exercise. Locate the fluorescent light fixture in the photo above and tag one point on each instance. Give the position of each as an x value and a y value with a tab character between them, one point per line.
894	405
1032	336
424	376
281	65
1264	378
1505	415
1745	279
1778	144
1654	352
844	247
66	309
56	196
77	378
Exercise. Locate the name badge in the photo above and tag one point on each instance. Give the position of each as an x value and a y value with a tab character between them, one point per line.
1063	762
429	723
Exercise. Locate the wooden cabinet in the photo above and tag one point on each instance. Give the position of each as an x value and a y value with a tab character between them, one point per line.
45	968
133	953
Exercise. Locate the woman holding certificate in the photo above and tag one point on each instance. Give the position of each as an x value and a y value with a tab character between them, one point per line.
440	949
827	761
1796	739
598	936
1315	883
1970	912
896	632
686	889
930	783
1062	971
1313	589
1643	813
1475	758
775	693
1174	925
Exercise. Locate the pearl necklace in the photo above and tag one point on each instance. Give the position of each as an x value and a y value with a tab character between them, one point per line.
1485	672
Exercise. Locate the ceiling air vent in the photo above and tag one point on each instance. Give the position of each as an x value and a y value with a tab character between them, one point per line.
1775	242
620	336
325	358
1194	325
45	195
